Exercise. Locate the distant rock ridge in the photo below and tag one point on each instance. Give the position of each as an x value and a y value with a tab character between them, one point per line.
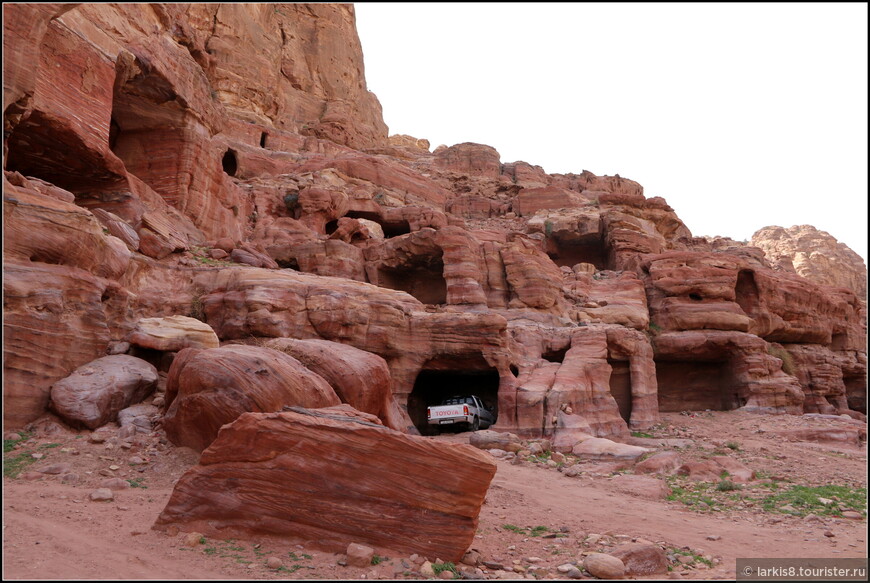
813	254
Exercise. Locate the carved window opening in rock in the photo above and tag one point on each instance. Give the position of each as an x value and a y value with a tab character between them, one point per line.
555	355
230	163
856	391
696	386
747	292
263	137
421	276
515	371
447	377
581	249
331	227
695	297
620	386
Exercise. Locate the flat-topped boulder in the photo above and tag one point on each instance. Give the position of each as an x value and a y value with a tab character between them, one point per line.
323	479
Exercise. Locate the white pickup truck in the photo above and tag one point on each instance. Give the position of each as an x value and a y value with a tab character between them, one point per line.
466	409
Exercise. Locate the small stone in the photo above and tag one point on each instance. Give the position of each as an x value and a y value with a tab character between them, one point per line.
136	460
37	456
829	534
471	558
493	565
274	563
714	537
426	570
96	438
70	478
604	566
565	568
101	495
851	514
685	559
172	531
446	575
30	476
359	555
813	518
113	467
533	559
193	539
158	401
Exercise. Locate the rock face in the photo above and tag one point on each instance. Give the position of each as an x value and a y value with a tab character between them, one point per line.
307	475
226	164
815	255
94	394
207	389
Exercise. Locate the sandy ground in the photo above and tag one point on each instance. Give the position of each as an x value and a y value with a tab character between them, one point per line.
52	530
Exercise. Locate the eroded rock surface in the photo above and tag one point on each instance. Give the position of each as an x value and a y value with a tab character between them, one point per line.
226	163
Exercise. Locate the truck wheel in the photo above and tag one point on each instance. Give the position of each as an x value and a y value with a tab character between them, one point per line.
475	425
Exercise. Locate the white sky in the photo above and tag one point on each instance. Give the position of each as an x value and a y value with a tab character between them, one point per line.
739	115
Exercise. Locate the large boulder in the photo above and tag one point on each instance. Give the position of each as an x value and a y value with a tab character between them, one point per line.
360	379
207	389
173	333
328	480
94	393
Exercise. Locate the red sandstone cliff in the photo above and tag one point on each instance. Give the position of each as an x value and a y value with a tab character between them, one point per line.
226	162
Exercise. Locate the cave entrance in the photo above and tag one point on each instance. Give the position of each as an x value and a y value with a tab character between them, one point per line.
589	249
151	133
695	386
620	386
555	355
437	382
746	292
856	392
423	278
41	147
230	162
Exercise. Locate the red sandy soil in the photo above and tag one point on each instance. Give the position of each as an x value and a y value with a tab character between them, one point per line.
51	530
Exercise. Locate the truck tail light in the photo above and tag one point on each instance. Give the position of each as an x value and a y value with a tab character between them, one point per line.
428	413
465	407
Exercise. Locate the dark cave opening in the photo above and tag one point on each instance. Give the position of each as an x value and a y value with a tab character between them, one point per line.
423	280
586	250
433	386
555	355
695	386
230	163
